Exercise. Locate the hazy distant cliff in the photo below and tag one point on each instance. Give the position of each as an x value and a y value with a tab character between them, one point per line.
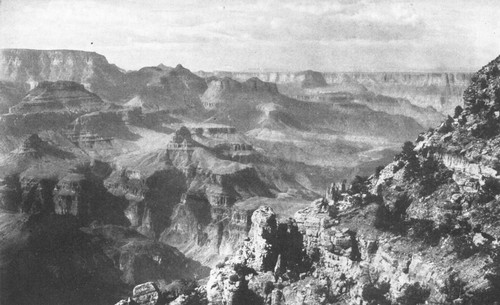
442	91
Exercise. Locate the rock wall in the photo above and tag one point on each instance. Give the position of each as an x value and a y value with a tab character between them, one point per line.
88	68
443	91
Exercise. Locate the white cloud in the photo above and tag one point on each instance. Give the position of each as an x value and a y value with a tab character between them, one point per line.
293	35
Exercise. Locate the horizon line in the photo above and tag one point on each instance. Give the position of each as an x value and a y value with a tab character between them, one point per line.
255	70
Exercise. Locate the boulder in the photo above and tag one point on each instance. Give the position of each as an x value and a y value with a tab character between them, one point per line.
146	294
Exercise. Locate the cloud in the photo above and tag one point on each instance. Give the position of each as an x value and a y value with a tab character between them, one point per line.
291	35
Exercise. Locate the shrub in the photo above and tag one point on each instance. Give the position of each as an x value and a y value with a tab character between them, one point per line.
407	151
243	270
382	218
234	278
409	156
486	130
483	83
376	294
495	71
220	265
268	287
428	183
398	166
400	206
359	185
477	106
394	220
453	288
489	190
414	294
458	111
497	95
425	230
433	174
447	126
378	170
463	246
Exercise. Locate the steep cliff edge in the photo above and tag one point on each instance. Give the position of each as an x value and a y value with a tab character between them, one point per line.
88	68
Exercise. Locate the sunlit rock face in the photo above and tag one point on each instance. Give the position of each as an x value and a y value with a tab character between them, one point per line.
88	68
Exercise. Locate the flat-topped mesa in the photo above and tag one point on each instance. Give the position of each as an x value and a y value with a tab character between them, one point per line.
227	92
58	96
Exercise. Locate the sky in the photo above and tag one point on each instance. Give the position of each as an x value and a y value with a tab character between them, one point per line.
265	35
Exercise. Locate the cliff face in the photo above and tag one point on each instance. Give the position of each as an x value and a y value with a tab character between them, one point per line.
443	91
427	117
90	69
255	105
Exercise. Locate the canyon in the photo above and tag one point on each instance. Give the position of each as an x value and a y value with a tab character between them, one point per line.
163	186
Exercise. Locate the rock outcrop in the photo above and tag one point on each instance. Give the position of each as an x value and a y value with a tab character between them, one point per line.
263	235
146	294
